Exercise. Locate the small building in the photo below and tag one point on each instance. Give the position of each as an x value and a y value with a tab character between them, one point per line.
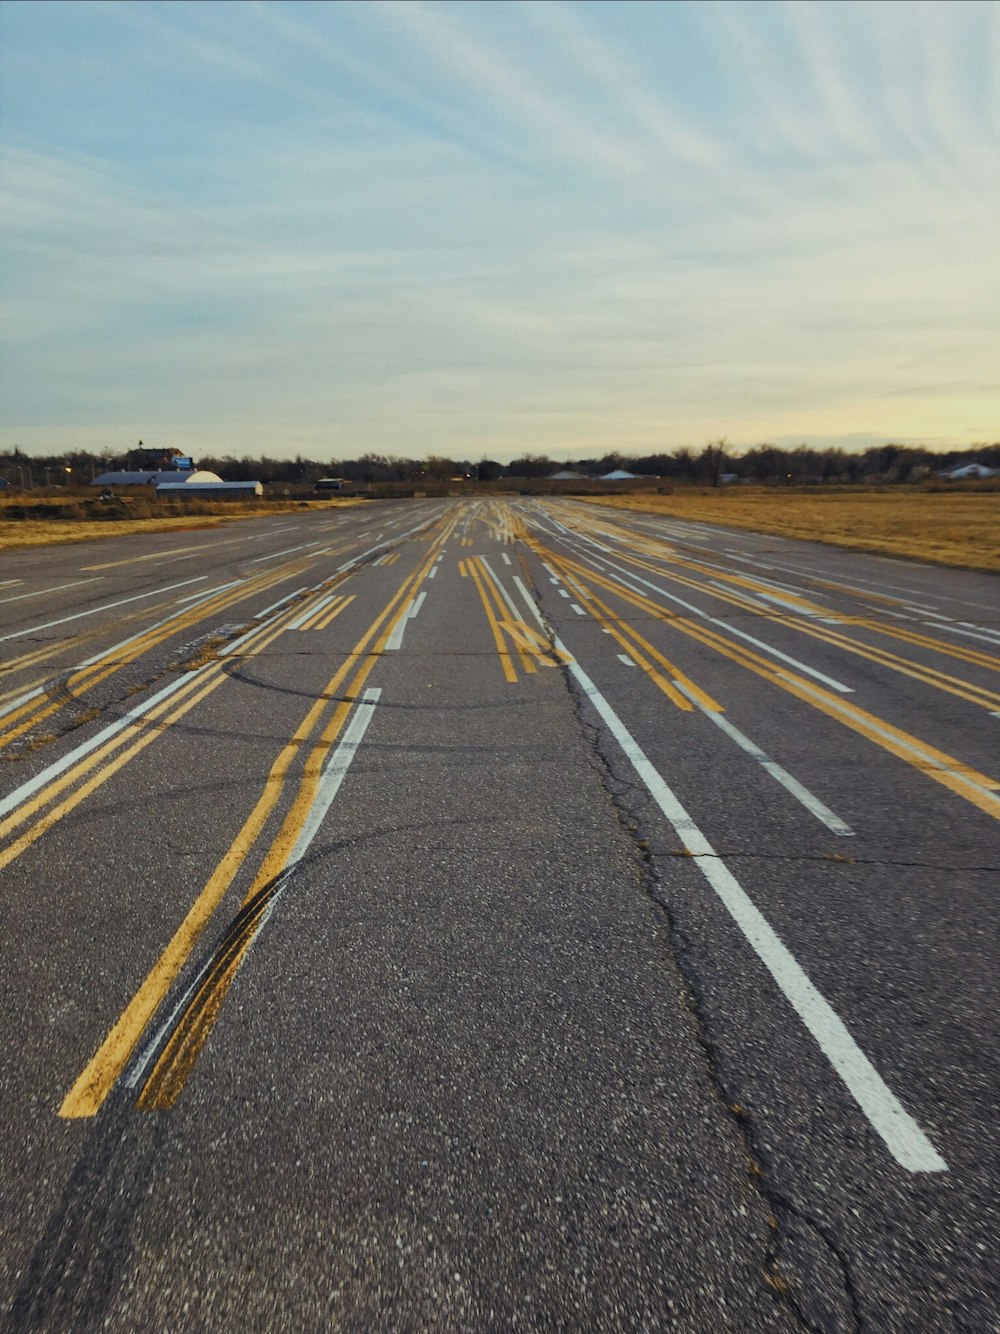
154	479
220	489
179	482
969	472
566	475
620	475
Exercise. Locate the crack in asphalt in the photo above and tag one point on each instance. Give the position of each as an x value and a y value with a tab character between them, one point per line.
786	1217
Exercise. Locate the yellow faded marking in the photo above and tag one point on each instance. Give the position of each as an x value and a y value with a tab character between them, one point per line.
99	1076
341	606
155	555
964	781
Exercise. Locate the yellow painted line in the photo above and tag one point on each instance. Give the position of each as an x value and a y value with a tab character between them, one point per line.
506	663
100	1074
929	675
461	569
155	555
318	615
115	659
503	613
960	778
32	835
143	729
341	606
182	1049
641	650
524	638
39	655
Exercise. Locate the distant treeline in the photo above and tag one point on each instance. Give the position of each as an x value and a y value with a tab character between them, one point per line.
715	463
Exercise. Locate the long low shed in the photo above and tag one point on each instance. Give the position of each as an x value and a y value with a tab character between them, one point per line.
233	489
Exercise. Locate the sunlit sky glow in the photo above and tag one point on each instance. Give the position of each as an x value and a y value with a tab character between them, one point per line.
481	229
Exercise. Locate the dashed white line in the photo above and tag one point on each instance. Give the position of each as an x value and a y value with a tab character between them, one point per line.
801	793
57	588
107	606
898	1130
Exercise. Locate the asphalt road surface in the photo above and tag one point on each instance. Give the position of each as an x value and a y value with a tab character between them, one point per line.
496	914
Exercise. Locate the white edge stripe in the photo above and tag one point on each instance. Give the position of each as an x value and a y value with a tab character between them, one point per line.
107	606
22	699
43	592
53	770
395	640
193	597
329	785
901	1134
310	611
280	602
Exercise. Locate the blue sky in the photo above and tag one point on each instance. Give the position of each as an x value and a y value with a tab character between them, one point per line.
480	229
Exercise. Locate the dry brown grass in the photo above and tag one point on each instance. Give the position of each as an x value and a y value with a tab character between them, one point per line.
79	526
944	527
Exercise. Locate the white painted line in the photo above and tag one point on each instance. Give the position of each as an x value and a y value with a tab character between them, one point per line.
259	560
927	761
578	609
563	593
280	603
57	588
505	558
624	657
395	640
740	634
311	610
107	606
901	1134
124	643
330	784
261	628
418	602
210	593
59	766
987	637
529	601
432	572
22	699
801	794
899	1131
789	606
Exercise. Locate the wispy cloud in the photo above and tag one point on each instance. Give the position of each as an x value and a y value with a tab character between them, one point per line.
418	226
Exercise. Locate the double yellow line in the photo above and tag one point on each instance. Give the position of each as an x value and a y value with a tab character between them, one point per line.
194	1024
964	781
35	711
130	742
531	648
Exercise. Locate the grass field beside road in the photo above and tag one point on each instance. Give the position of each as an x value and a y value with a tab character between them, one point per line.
959	528
19	529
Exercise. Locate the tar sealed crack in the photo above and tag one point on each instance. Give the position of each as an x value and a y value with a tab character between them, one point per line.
801	1264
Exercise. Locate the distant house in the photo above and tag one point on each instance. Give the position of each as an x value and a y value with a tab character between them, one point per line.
619	475
566	475
969	471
